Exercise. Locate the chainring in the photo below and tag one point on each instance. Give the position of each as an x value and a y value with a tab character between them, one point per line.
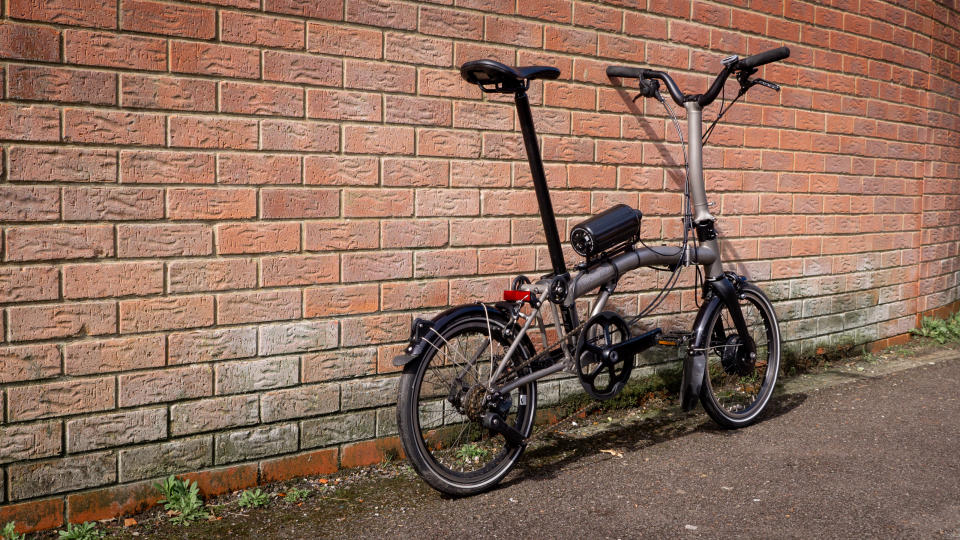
602	372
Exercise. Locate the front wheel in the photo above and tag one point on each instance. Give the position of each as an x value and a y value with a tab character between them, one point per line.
442	402
737	386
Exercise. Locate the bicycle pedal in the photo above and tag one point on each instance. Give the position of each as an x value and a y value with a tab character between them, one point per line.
674	339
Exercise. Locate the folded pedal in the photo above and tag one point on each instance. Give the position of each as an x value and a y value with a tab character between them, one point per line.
674	339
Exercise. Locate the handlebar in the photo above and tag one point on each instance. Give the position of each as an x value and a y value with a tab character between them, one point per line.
748	64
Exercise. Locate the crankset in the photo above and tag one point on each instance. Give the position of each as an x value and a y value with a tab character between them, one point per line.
603	370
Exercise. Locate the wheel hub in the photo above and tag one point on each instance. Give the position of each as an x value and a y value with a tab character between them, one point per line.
473	402
736	359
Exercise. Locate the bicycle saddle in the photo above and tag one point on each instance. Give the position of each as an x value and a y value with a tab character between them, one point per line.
492	76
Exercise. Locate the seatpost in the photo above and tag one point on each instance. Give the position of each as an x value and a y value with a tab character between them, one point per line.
540	183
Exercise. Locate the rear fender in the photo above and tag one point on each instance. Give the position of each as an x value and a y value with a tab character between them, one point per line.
424	333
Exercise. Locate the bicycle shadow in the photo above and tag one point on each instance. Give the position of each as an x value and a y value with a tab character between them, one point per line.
559	453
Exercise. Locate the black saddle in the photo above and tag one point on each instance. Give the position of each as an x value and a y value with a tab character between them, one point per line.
492	76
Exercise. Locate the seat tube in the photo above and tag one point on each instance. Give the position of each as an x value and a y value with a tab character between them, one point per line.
698	190
540	183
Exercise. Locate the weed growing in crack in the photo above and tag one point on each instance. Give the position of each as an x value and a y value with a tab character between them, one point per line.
181	500
253	499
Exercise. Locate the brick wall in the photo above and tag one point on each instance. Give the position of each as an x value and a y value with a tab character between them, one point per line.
219	217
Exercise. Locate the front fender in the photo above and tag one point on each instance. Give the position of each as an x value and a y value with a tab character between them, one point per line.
695	363
423	333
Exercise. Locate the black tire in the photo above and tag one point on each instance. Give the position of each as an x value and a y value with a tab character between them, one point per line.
736	389
454	454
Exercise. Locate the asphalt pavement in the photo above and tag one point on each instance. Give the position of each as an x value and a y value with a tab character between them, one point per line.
842	457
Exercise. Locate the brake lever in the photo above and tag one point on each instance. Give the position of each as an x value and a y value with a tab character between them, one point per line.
773	86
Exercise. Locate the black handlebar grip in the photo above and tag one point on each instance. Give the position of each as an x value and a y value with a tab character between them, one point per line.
623	71
765	57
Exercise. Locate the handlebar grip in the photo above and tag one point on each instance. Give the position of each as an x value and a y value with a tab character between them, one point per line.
765	57
625	72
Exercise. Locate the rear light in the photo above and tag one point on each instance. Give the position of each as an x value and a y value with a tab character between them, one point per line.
516	296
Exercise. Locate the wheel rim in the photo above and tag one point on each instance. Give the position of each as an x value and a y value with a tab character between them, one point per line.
449	434
739	386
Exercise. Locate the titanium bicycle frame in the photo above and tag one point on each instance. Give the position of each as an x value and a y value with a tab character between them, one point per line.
604	275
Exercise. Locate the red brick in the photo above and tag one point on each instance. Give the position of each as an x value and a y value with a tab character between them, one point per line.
262	99
206	132
553	10
167	313
176	93
299	203
120	354
211	203
379	266
64	85
54	164
302	68
213	59
112	502
29	363
113	50
62	320
336	39
378	140
377	76
150	167
448	202
168	19
287	270
415	172
411	233
96	13
29	123
163	240
603	18
445	142
479	232
258	169
299	135
340	300
417	49
307	464
263	31
413	295
382	13
219	481
157	386
23	42
59	242
513	31
365	453
257	238
416	111
449	262
569	40
377	202
114	204
108	280
258	306
556	94
341	235
109	127
212	275
314	9
34	516
450	23
341	105
341	170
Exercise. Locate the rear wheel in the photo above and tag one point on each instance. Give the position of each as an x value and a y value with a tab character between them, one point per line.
442	400
737	386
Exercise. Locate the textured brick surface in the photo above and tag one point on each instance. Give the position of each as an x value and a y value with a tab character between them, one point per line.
218	218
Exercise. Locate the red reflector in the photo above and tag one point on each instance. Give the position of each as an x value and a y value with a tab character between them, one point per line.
516	296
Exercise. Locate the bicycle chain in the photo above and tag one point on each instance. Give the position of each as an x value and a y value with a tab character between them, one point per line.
542	354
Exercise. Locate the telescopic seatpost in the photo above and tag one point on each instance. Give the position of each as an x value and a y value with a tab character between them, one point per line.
540	183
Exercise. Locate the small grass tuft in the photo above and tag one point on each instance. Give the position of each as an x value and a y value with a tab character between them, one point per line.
181	499
940	330
83	531
253	499
295	495
8	532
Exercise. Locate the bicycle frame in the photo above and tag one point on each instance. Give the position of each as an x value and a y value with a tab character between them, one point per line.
605	274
